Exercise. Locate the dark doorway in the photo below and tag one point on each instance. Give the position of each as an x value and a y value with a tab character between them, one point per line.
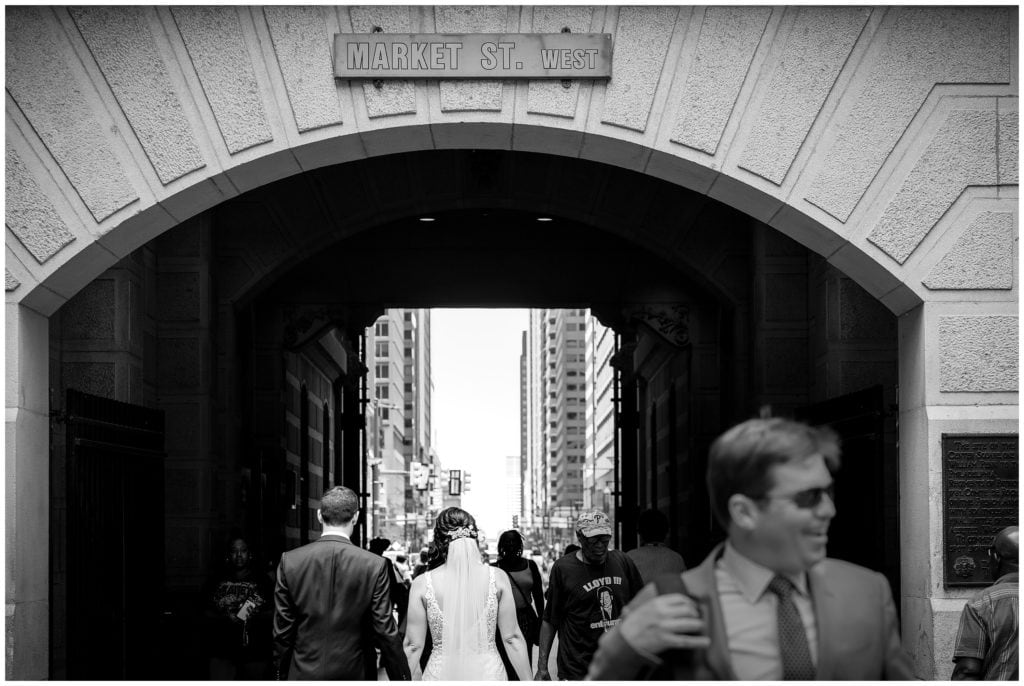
865	529
115	554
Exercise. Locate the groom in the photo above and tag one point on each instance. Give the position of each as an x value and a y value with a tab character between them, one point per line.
332	602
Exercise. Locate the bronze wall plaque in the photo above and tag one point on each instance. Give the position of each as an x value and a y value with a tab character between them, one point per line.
979	488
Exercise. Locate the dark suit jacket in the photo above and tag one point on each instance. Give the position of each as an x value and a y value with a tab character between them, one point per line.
332	602
858	637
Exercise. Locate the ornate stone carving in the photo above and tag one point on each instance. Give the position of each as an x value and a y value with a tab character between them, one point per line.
670	321
307	323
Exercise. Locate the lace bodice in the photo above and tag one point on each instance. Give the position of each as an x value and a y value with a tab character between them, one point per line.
435	618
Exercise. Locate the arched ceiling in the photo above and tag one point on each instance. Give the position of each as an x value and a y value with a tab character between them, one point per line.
352	232
486	257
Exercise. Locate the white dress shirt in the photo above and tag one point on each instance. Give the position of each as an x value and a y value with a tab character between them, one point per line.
750	613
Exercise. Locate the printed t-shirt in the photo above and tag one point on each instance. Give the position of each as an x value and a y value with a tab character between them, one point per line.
586	601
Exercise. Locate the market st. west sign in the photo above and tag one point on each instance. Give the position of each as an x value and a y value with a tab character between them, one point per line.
473	56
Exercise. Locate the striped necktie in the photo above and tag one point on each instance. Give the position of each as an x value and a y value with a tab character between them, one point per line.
796	655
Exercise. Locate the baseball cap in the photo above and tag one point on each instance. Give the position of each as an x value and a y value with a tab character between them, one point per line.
593	523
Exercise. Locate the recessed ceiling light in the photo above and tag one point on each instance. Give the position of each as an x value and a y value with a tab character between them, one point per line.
544	219
426	219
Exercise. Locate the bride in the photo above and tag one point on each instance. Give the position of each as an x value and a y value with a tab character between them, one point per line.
462	600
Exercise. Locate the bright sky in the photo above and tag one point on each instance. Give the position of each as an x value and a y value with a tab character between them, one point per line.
475	406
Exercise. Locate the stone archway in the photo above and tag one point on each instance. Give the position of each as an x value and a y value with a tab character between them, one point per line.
835	126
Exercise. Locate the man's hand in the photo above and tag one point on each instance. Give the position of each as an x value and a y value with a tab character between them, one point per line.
663	623
542	673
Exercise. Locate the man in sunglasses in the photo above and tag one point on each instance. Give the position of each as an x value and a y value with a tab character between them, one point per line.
767	604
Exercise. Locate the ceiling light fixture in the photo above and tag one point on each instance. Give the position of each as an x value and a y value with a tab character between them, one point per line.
544	219
426	219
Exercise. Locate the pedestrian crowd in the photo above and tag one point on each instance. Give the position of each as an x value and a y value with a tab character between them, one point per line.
765	604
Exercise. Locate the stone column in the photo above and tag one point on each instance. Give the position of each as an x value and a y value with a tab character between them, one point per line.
27	494
958	374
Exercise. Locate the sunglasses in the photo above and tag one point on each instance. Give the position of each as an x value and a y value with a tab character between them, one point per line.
807	499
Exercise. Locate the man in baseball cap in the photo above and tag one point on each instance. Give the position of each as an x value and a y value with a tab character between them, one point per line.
587	591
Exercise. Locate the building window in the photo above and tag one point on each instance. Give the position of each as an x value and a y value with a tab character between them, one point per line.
385	414
382	391
408	352
381	349
382	371
381	328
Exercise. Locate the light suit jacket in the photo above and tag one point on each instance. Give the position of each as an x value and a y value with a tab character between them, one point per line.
858	636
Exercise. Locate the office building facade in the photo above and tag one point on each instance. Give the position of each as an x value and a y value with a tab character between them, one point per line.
406	468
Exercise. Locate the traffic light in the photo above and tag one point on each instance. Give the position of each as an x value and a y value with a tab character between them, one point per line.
515	521
466	482
418	475
455	482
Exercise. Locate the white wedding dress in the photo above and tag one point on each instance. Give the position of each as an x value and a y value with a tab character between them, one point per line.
463	633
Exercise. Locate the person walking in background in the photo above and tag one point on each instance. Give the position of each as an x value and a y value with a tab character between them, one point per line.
238	613
653	558
527	589
463	601
399	592
402	567
332	602
588	590
766	604
986	642
424	563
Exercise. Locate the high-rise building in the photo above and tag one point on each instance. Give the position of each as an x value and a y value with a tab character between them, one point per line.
513	491
599	465
406	469
556	417
525	491
567	418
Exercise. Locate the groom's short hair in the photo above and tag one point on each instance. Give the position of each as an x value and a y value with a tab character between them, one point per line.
338	506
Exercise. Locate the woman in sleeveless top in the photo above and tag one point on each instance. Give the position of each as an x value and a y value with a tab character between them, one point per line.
462	601
527	589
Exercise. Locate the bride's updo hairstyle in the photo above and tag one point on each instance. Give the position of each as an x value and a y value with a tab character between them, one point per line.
451	524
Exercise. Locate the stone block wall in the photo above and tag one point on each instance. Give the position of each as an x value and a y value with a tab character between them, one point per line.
197	491
779	343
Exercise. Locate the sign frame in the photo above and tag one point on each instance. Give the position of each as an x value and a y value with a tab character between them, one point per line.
461	56
960	565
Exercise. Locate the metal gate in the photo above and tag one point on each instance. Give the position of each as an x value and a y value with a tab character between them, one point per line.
115	537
